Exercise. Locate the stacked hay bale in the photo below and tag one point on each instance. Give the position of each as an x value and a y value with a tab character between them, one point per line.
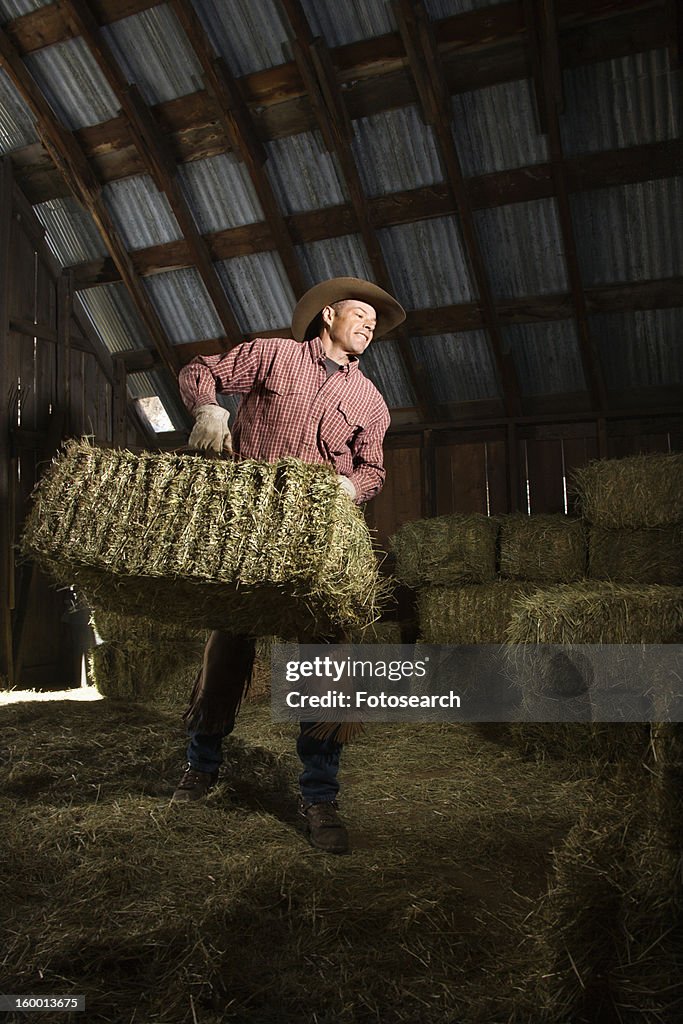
451	562
607	938
634	515
634	511
248	547
145	661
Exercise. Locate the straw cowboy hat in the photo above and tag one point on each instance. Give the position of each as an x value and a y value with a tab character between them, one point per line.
389	312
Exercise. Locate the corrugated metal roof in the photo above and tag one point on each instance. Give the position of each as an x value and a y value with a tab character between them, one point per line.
259	291
110	309
395	150
154	53
383	364
522	248
547	357
627	101
496	128
183	306
72	234
220	193
458	367
334	257
630	233
427	263
248	36
163	384
17	127
340	23
303	173
445	8
76	88
15	8
640	348
141	214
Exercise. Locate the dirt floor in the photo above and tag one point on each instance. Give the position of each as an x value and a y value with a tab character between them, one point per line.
222	911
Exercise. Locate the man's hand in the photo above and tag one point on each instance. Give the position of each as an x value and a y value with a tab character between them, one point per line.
347	487
210	432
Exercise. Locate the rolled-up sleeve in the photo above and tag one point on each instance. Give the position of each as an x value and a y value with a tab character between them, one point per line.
369	474
233	373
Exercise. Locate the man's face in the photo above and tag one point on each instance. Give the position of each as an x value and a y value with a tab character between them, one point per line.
351	325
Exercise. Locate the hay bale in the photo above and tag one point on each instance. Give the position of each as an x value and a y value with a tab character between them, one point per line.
636	556
446	550
542	548
388	632
598	613
139	631
468	615
247	547
609	933
159	676
639	492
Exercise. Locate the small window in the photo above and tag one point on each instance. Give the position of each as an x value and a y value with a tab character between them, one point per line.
153	414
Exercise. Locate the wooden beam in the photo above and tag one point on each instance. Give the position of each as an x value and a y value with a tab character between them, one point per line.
73	164
525	184
315	66
152	148
7	421
479	48
24	214
63	353
120	403
614	298
541	20
242	134
423	59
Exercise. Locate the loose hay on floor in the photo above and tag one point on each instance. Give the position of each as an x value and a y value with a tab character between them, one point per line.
542	548
155	912
446	550
243	546
635	493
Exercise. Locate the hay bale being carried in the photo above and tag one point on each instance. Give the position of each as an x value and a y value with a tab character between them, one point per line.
639	492
598	613
636	556
542	548
242	546
477	614
145	661
454	549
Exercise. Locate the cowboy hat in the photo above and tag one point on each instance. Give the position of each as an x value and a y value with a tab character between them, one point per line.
389	312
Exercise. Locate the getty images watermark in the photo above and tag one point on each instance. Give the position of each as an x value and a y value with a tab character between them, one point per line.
477	683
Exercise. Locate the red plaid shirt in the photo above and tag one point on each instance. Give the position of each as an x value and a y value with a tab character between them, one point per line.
292	407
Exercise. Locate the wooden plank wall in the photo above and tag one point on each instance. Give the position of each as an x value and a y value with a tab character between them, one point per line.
51	389
469	470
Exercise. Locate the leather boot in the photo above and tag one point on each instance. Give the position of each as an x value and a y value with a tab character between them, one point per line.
326	830
194	784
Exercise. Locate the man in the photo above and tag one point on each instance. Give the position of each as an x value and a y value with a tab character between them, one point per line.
305	397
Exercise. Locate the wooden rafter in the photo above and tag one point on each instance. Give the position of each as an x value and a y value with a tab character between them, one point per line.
239	127
73	164
188	123
423	60
152	148
541	20
614	298
315	66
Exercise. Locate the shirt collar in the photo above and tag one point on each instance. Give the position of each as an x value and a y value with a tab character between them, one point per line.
317	353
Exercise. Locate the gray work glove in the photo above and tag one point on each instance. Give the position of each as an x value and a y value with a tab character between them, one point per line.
210	432
347	487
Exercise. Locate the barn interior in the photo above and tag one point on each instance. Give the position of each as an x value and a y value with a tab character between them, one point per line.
173	177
